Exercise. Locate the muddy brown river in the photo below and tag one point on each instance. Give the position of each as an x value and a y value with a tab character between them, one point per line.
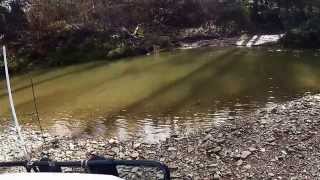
151	97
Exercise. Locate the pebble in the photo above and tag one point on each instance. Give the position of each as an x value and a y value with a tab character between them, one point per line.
217	149
190	149
239	162
271	139
113	141
262	149
271	174
245	154
216	177
248	166
122	155
188	159
252	149
207	137
172	149
115	150
134	155
213	165
220	135
136	145
220	141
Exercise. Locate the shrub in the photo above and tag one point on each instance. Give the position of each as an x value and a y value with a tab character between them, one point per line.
305	36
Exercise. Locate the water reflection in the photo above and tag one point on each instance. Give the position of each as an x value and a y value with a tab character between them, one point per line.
151	97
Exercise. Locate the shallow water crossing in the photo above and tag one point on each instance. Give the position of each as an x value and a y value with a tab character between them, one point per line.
152	97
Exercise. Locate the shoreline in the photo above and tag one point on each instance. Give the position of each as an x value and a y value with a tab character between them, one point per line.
182	44
277	142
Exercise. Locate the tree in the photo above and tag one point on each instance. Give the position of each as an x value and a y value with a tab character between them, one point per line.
3	14
12	18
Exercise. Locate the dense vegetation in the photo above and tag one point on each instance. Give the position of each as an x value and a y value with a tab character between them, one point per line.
56	32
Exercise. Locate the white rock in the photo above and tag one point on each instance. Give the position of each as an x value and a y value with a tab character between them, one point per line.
172	149
245	154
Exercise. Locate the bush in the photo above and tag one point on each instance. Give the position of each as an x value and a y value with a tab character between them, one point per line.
305	36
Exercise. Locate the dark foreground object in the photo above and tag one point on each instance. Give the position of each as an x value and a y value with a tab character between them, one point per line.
97	166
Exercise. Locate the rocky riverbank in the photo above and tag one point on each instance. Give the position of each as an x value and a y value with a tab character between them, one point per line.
214	42
277	142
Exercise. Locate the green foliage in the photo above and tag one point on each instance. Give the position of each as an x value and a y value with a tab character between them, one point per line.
58	32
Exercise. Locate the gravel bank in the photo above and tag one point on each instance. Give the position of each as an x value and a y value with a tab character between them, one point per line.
278	142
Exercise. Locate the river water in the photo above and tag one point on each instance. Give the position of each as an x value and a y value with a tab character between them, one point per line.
151	97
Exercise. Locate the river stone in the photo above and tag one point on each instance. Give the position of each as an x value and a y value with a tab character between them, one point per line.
122	155
115	150
274	110
220	135
172	149
262	149
173	156
113	141
174	136
216	176
136	145
271	139
72	146
239	162
176	176
217	149
134	155
159	175
271	175
188	163
220	141
213	165
248	166
231	118
245	154
68	153
252	149
190	149
207	137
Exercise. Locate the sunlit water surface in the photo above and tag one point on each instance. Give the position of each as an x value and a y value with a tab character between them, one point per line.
154	96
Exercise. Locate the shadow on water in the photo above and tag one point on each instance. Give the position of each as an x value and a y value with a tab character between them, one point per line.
201	83
85	68
68	95
242	80
156	95
143	69
164	89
